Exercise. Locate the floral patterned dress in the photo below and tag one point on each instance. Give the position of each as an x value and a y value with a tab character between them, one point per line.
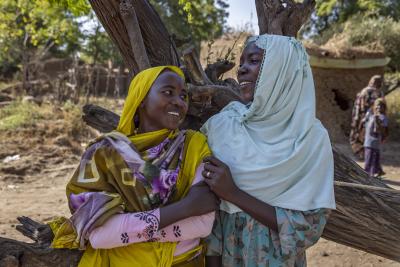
243	241
115	197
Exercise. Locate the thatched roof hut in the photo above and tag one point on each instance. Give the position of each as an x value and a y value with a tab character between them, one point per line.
338	76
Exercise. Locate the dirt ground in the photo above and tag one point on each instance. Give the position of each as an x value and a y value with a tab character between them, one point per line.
36	163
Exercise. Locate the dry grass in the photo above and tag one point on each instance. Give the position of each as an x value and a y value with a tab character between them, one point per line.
19	115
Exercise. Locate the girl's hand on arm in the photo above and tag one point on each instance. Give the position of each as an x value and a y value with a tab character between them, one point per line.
189	218
194	226
219	178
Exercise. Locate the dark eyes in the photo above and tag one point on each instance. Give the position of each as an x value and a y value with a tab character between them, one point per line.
169	92
251	61
255	60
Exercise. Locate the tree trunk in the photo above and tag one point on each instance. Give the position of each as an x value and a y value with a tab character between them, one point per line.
365	218
282	17
152	29
20	254
367	211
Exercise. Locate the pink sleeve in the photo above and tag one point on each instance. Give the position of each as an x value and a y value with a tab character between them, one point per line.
189	228
127	228
123	229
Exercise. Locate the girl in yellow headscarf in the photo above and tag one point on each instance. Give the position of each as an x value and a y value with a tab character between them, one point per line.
131	198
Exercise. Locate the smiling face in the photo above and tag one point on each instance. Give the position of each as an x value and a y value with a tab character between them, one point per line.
165	105
250	63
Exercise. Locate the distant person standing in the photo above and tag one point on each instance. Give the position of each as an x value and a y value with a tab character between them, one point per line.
376	132
364	100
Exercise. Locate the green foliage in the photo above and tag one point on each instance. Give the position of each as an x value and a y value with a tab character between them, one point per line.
30	29
97	46
329	12
368	23
77	7
347	8
19	114
370	32
325	8
383	31
199	19
33	26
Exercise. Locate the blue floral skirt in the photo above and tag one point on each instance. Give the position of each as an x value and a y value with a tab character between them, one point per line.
243	241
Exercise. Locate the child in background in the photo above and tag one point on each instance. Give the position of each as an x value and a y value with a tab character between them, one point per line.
376	132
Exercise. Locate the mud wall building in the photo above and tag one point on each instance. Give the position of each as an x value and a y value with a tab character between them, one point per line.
337	80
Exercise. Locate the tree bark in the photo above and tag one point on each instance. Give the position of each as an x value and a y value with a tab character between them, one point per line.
100	118
193	68
364	219
152	29
19	254
135	36
215	70
282	17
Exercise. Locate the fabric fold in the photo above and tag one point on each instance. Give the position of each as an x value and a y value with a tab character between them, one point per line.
127	172
276	148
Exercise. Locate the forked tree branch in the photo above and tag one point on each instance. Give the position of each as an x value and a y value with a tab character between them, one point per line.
193	67
156	38
282	17
131	22
216	69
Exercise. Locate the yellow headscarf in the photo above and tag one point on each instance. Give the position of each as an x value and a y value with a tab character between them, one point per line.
195	149
138	90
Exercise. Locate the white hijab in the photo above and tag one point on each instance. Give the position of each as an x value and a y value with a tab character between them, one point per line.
276	149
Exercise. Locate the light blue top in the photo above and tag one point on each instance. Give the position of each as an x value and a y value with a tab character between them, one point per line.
276	149
373	136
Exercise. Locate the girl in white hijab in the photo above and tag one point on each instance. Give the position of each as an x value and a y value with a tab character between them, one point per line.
278	188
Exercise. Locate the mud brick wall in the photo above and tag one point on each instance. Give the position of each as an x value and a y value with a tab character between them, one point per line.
336	90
